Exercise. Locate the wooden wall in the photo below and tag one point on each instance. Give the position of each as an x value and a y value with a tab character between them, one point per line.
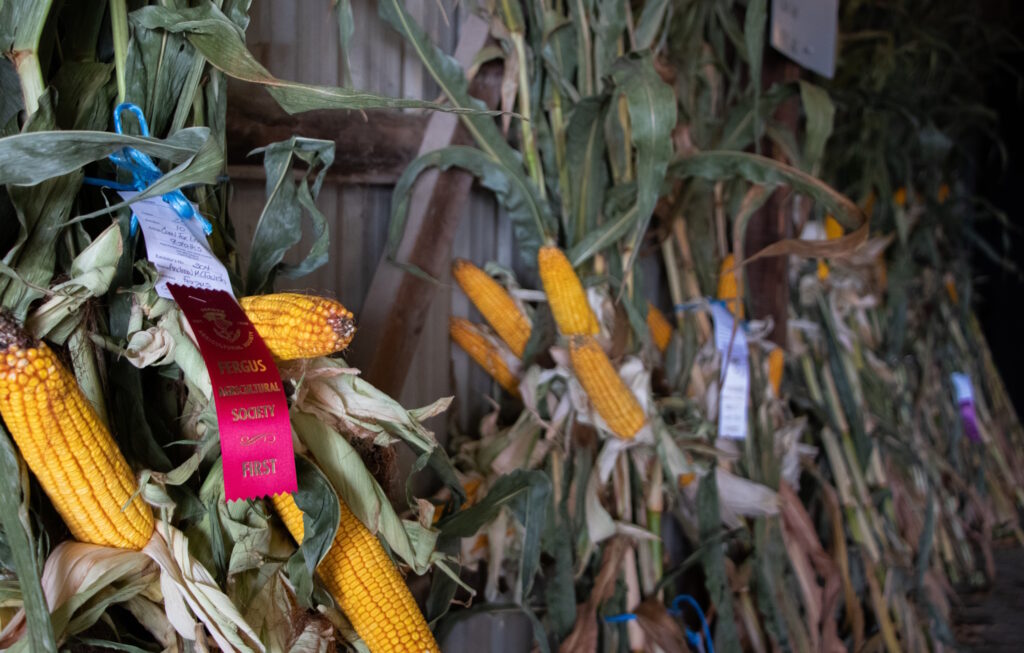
299	41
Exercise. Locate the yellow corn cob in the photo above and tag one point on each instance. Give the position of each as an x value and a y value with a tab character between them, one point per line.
950	284
468	336
495	304
899	197
833	230
300	326
727	287
366	584
661	329
565	294
776	365
612	400
869	204
66	446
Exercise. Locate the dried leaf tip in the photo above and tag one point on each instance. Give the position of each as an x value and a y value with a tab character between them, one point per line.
12	333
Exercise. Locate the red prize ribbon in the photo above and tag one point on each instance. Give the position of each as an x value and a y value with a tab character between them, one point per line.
252	413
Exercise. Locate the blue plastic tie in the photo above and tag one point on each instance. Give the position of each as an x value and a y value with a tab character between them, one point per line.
676	609
693	638
145	173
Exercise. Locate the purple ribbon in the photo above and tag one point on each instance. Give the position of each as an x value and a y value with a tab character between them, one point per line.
969	420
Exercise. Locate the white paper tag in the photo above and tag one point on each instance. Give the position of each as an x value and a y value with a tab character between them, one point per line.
805	31
962	387
180	255
735	392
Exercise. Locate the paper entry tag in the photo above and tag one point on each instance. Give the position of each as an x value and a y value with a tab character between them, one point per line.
735	392
964	394
252	411
180	254
805	31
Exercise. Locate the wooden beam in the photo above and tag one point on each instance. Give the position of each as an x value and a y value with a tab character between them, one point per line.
371	147
397	302
768	277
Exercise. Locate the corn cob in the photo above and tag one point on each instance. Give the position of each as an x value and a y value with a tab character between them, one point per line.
728	290
366	584
468	336
612	400
869	204
899	198
300	326
66	445
833	230
951	292
495	304
776	365
565	294
659	326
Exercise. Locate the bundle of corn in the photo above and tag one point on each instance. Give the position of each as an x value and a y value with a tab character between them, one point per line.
809	533
104	393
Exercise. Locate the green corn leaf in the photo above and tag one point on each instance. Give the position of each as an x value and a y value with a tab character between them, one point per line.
452	80
719	165
560	590
90	276
609	24
530	509
158	67
280	224
84	92
442	586
41	213
531	216
18	536
716	581
321	516
526	494
33	157
559	53
21	27
585	158
850	406
652	117
603	236
820	114
410	541
346	28
753	33
223	44
503	493
652	17
740	128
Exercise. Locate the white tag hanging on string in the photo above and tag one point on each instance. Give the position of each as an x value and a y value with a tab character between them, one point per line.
806	31
177	248
734	395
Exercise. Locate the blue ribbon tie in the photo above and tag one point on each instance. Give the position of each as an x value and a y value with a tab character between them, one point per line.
145	173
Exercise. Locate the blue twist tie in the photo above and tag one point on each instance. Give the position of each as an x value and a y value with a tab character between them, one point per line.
677	610
144	173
